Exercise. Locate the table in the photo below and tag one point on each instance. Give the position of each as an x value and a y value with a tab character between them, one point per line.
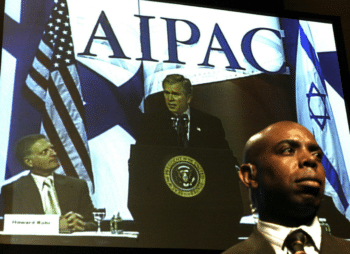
103	239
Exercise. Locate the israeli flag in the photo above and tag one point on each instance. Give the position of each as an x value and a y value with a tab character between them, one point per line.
314	109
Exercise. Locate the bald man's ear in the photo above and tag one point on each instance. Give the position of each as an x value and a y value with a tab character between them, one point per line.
248	175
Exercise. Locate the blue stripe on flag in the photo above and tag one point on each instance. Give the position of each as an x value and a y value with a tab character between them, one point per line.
333	178
330	70
310	51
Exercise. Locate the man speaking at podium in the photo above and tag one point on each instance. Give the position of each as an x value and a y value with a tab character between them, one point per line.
44	192
181	125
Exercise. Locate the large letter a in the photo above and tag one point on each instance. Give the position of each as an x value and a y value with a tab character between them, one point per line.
110	37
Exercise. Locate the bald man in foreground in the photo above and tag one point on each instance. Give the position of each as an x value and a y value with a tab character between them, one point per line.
283	169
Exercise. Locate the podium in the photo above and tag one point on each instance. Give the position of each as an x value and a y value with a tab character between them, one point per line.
184	197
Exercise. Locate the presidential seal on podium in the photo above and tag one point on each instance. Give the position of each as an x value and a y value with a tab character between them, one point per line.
184	176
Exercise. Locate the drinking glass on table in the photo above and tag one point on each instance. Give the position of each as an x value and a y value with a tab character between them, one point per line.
99	215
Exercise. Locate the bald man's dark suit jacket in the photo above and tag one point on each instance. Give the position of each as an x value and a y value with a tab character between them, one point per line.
257	244
23	197
206	131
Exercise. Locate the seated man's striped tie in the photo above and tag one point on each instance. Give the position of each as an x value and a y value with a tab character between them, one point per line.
51	205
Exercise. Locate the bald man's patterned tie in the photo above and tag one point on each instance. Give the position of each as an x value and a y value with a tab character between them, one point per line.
296	241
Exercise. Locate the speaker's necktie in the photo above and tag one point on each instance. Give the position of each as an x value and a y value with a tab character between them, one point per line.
184	129
296	241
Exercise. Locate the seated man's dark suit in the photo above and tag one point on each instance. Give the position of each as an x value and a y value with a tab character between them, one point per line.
23	197
257	244
206	131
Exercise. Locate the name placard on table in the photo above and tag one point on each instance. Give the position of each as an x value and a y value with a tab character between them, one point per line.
31	224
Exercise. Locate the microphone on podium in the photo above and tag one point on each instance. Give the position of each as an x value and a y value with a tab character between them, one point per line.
180	124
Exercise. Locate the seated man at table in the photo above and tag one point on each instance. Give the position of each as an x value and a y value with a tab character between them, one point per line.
282	167
44	192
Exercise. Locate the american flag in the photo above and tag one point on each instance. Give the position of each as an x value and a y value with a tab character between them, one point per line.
55	90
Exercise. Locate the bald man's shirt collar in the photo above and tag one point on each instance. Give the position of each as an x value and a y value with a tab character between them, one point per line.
276	234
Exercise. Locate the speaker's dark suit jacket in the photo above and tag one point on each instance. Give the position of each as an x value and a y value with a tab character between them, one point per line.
257	244
206	131
23	197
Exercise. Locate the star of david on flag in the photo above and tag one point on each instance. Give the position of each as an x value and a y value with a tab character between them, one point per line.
318	113
314	111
